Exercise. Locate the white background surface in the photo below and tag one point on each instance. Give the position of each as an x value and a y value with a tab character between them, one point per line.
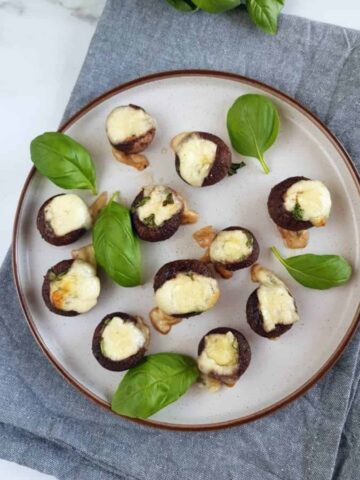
42	46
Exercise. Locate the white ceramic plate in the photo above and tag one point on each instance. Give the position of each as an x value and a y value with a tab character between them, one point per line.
279	370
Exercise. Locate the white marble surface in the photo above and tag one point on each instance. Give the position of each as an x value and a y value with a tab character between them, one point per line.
42	45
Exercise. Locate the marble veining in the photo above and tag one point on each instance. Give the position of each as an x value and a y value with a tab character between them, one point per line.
14	5
88	10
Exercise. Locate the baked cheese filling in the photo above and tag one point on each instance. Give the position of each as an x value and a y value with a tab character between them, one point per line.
159	204
231	246
77	289
309	200
187	293
276	304
126	123
67	213
196	157
121	339
220	354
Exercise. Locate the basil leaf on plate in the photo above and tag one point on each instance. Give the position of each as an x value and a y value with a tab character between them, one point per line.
154	383
183	5
63	161
264	13
117	249
253	124
217	6
316	271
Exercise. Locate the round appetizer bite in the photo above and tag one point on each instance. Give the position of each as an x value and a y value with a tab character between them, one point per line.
71	287
299	203
120	341
201	159
63	219
156	213
271	309
130	129
234	248
223	356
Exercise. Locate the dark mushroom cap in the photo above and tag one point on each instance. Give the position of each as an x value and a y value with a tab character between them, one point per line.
248	261
244	353
135	144
158	233
222	162
48	233
120	365
256	321
277	210
61	267
171	269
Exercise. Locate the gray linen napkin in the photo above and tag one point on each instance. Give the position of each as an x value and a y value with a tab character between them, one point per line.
48	425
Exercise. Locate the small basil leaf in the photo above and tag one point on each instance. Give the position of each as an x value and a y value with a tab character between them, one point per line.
63	161
234	167
183	5
154	383
316	271
217	6
264	13
253	125
117	249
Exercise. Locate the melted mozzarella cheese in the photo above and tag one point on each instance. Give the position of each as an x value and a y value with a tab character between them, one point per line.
121	339
230	246
187	293
126	123
66	213
196	157
312	197
78	289
220	355
157	196
276	304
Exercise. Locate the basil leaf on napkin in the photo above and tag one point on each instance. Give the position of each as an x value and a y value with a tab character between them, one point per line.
217	6
264	13
316	271
117	249
253	124
157	381
183	5
63	161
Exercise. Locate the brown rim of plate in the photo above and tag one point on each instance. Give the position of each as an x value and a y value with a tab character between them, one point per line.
126	86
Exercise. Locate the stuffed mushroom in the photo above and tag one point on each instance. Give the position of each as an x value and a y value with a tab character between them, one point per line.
71	287
183	288
223	356
63	219
201	159
299	203
120	341
271	309
156	213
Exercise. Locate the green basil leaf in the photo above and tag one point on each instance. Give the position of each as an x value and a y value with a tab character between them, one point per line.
316	271
154	383
264	13
217	6
253	124
63	161
117	249
183	5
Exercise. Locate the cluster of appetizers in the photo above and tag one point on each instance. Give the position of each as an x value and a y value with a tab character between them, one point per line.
183	288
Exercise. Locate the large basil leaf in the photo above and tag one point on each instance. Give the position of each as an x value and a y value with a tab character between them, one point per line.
154	383
63	161
253	125
217	6
183	5
316	271
264	13
117	249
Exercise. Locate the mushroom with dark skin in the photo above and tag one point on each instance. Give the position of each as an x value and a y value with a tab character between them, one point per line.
201	158
120	341
271	309
223	356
